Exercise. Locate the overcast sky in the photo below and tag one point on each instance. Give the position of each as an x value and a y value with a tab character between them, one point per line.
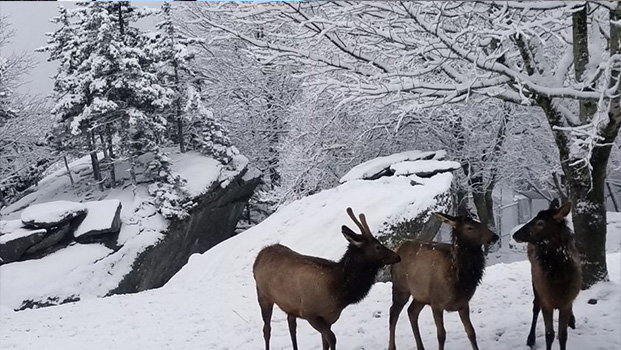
30	21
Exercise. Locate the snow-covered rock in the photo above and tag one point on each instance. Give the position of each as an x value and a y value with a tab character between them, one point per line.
54	236
424	168
104	217
374	168
16	239
52	214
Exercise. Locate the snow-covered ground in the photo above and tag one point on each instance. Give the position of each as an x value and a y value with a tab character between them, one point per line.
211	302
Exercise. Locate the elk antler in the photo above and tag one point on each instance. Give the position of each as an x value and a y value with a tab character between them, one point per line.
364	227
363	219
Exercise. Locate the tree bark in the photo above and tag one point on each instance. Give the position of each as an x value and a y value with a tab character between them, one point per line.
112	167
90	140
68	171
2	199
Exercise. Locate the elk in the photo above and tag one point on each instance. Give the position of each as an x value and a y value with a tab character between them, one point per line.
555	269
317	289
441	275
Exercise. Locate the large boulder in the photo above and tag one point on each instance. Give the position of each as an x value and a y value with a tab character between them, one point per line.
54	236
16	239
104	217
52	214
212	220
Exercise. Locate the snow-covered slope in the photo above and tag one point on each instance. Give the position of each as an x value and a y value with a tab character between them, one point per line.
211	302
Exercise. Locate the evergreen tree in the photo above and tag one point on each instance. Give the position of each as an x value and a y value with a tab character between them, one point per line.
171	48
107	84
207	135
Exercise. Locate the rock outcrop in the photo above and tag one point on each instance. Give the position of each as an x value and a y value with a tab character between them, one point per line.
47	227
16	239
119	240
212	220
52	214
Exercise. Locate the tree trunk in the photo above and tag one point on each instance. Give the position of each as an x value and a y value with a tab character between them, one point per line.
2	199
461	202
90	140
178	109
589	218
111	166
180	134
68	171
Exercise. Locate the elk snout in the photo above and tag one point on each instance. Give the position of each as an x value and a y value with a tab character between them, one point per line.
394	258
521	235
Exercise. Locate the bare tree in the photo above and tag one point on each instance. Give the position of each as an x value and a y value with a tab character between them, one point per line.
420	54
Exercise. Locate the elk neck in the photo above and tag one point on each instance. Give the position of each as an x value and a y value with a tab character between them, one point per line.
468	261
357	275
555	255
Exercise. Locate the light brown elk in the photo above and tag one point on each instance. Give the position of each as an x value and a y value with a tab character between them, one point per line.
555	269
317	289
441	275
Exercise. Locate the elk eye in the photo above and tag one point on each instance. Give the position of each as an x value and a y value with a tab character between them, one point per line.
539	223
377	247
469	228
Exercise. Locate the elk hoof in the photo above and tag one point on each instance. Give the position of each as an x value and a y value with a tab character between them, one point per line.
572	322
531	340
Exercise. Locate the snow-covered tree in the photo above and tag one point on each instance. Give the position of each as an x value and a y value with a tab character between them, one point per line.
253	98
562	57
107	85
171	48
207	135
23	154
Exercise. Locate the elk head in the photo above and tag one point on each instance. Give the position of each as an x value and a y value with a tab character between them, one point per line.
372	250
545	225
465	229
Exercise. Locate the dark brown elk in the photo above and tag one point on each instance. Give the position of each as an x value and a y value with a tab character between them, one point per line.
317	289
555	269
442	275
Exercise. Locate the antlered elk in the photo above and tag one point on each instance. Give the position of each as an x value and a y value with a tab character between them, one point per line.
442	275
317	289
555	269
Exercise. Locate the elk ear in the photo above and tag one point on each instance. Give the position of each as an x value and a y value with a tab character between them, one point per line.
351	236
447	219
562	212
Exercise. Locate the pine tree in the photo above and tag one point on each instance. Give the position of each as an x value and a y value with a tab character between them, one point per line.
107	84
207	135
171	48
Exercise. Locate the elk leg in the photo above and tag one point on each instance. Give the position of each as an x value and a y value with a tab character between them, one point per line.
292	328
413	311
266	312
530	341
438	317
328	337
464	314
563	321
399	299
572	320
547	320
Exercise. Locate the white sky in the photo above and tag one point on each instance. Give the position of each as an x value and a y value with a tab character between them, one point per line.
30	21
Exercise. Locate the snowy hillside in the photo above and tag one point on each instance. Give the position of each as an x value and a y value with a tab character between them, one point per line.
211	302
92	270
